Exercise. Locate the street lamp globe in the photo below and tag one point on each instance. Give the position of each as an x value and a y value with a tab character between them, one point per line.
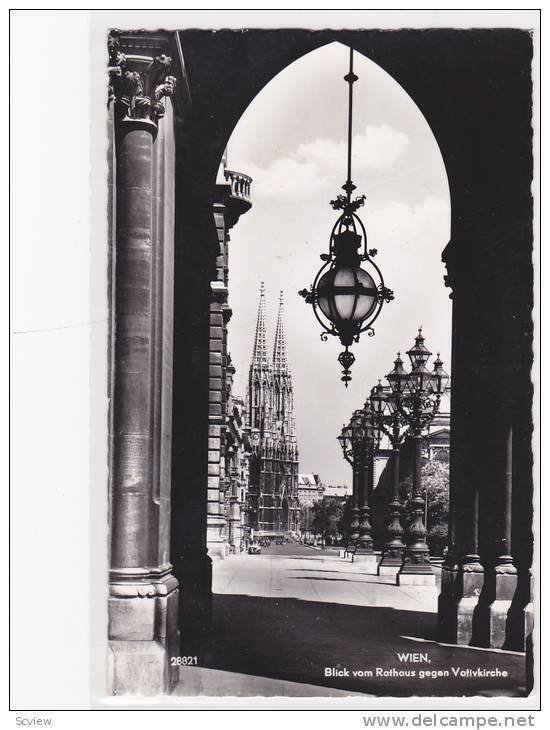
419	379
346	294
398	378
357	425
378	399
440	378
372	431
419	353
345	440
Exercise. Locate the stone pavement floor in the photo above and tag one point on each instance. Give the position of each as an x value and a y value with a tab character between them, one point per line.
281	619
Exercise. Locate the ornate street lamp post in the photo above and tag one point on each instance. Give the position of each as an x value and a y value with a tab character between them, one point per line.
346	442
388	420
405	411
418	407
346	299
359	443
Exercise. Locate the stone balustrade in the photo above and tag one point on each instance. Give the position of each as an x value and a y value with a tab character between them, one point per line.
240	184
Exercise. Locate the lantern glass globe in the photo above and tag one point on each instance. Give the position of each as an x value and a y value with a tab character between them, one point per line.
346	294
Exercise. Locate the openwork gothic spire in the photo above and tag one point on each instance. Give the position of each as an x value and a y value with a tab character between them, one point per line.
259	355
280	361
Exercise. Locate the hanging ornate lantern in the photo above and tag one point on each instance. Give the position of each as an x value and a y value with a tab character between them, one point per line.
346	298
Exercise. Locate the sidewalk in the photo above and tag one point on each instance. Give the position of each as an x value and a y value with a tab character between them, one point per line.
200	682
319	621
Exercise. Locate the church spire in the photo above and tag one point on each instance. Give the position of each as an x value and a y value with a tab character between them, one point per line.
259	355
280	361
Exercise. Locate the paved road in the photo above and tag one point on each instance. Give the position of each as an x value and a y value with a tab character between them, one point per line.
295	548
293	612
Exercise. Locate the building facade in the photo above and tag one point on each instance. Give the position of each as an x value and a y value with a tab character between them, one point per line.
237	458
273	487
310	489
338	491
232	199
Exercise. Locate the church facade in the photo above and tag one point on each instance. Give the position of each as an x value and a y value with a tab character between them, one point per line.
273	480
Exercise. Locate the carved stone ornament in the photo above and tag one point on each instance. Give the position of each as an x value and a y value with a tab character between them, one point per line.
218	292
449	259
508	569
418	557
138	83
472	568
394	529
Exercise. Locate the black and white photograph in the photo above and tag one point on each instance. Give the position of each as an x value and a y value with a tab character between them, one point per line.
314	266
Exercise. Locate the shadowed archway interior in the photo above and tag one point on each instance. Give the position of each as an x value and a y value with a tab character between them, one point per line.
454	81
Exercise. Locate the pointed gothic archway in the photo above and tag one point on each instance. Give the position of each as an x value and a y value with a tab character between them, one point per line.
289	139
448	77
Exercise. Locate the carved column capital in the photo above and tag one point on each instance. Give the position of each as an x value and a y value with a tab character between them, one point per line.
137	84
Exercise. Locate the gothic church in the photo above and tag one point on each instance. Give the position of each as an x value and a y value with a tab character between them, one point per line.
273	487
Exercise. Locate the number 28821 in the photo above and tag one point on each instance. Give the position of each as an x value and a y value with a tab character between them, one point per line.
183	661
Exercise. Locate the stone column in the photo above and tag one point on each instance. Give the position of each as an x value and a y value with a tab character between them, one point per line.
416	568
446	603
143	593
505	577
392	558
462	574
190	428
528	626
468	575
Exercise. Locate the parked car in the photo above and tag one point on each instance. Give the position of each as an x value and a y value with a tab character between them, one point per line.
254	549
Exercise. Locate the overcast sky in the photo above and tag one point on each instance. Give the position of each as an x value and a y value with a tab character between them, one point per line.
292	141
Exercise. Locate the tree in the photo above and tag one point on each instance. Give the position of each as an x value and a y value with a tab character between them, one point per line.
435	483
326	517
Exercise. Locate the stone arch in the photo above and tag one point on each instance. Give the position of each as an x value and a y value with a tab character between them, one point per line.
474	101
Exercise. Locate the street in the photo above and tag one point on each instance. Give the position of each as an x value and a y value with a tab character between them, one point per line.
295	549
306	618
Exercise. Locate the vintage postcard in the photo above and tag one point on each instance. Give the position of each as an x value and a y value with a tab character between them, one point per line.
318	411
320	362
